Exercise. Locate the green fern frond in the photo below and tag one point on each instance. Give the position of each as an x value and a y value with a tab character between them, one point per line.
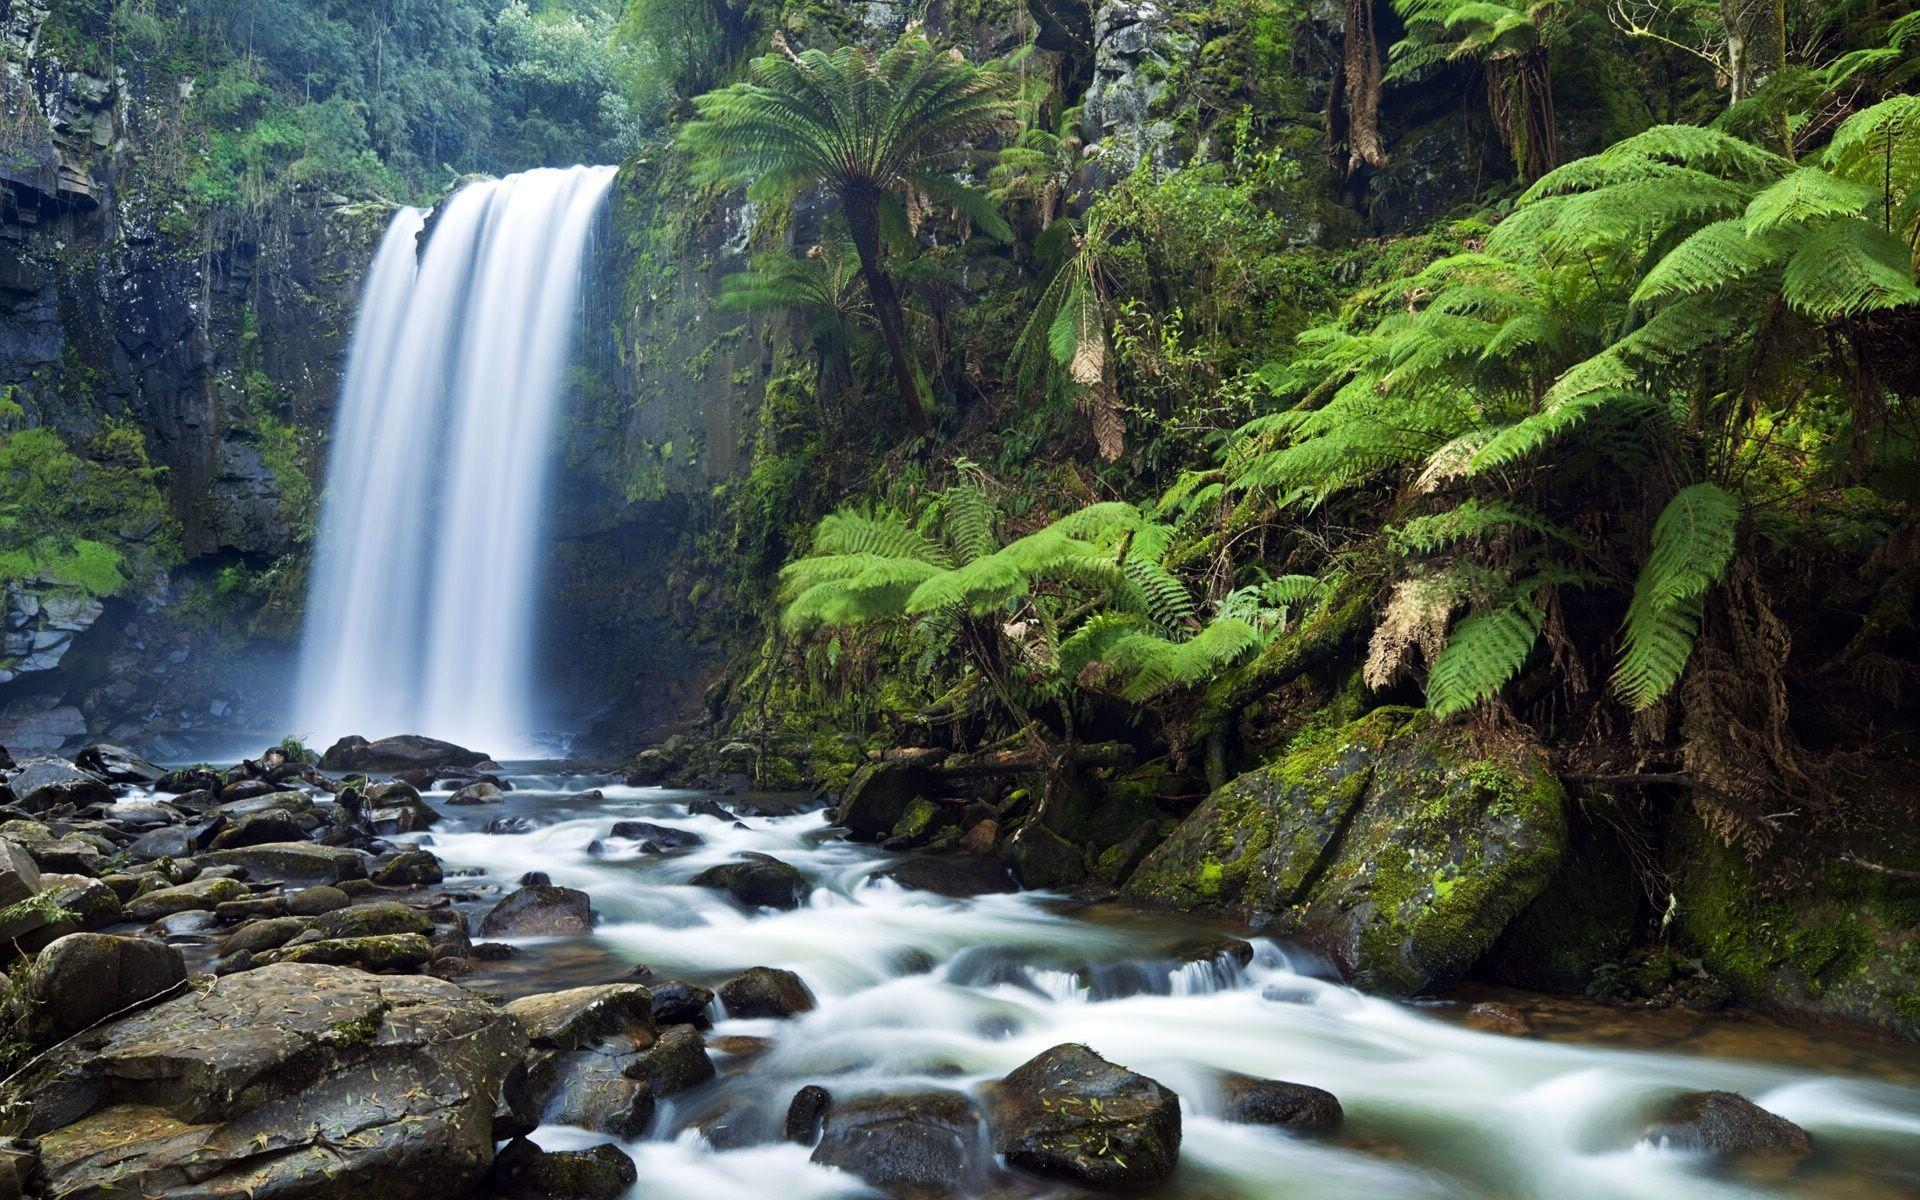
1483	653
1470	521
1847	267
1713	256
1806	195
1693	541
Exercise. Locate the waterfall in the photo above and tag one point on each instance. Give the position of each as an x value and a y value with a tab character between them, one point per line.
421	611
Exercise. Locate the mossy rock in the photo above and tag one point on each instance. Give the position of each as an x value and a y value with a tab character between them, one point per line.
1254	845
1400	846
1826	940
386	954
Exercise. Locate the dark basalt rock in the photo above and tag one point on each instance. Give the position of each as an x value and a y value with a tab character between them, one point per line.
1727	1124
387	954
912	1145
373	920
586	1016
540	911
807	1113
765	992
511	825
43	783
117	764
294	860
655	839
1069	1114
523	1171
761	881
410	867
878	797
708	807
678	1003
675	1062
402	753
955	877
193	1087
1293	1106
586	1042
84	977
477	793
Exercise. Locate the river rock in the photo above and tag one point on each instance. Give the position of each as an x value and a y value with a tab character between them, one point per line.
409	867
478	793
1399	846
585	1041
1246	1100
511	825
72	854
678	1003
653	838
262	828
89	902
954	877
174	842
586	1016
523	1171
43	783
403	753
385	954
765	992
540	910
306	861
186	897
188	779
1728	1124
373	920
807	1114
314	901
117	764
256	936
762	881
1069	1114
908	1144
878	795
19	874
676	1061
290	1081
84	977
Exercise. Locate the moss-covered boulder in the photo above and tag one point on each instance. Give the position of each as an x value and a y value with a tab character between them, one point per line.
1401	846
1803	933
1583	920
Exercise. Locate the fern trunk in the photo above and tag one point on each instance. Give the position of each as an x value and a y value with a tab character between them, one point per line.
1756	52
1360	85
863	222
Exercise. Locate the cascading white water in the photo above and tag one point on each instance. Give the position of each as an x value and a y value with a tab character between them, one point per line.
422	608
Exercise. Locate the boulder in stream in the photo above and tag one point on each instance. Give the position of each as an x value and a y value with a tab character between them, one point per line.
916	1145
294	1082
84	977
523	1171
765	992
306	861
42	783
540	910
1728	1125
762	881
1069	1114
1296	1107
401	753
655	839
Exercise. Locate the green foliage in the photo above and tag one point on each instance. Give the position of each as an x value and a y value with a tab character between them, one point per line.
1693	542
80	523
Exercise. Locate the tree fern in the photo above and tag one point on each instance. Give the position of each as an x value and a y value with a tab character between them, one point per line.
1483	652
1692	543
1847	267
1807	194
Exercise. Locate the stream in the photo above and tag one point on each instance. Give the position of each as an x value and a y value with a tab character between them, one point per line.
919	990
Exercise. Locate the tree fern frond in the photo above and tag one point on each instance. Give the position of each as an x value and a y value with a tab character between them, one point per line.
1483	653
1692	543
1847	267
1712	256
1807	194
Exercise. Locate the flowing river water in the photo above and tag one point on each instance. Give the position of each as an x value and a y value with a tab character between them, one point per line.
918	990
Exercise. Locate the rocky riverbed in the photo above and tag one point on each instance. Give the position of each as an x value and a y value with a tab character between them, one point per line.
410	972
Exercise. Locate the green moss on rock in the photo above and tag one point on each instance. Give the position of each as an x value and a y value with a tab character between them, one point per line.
1401	846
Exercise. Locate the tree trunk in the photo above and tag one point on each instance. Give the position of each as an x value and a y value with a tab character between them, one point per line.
863	222
1360	52
1756	52
1543	131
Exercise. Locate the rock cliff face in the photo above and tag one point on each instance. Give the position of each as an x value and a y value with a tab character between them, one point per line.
218	339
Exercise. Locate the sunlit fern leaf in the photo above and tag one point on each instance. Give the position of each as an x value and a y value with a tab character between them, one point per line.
1807	194
1692	543
852	532
1879	141
1847	267
1146	665
1483	653
1713	256
1643	154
